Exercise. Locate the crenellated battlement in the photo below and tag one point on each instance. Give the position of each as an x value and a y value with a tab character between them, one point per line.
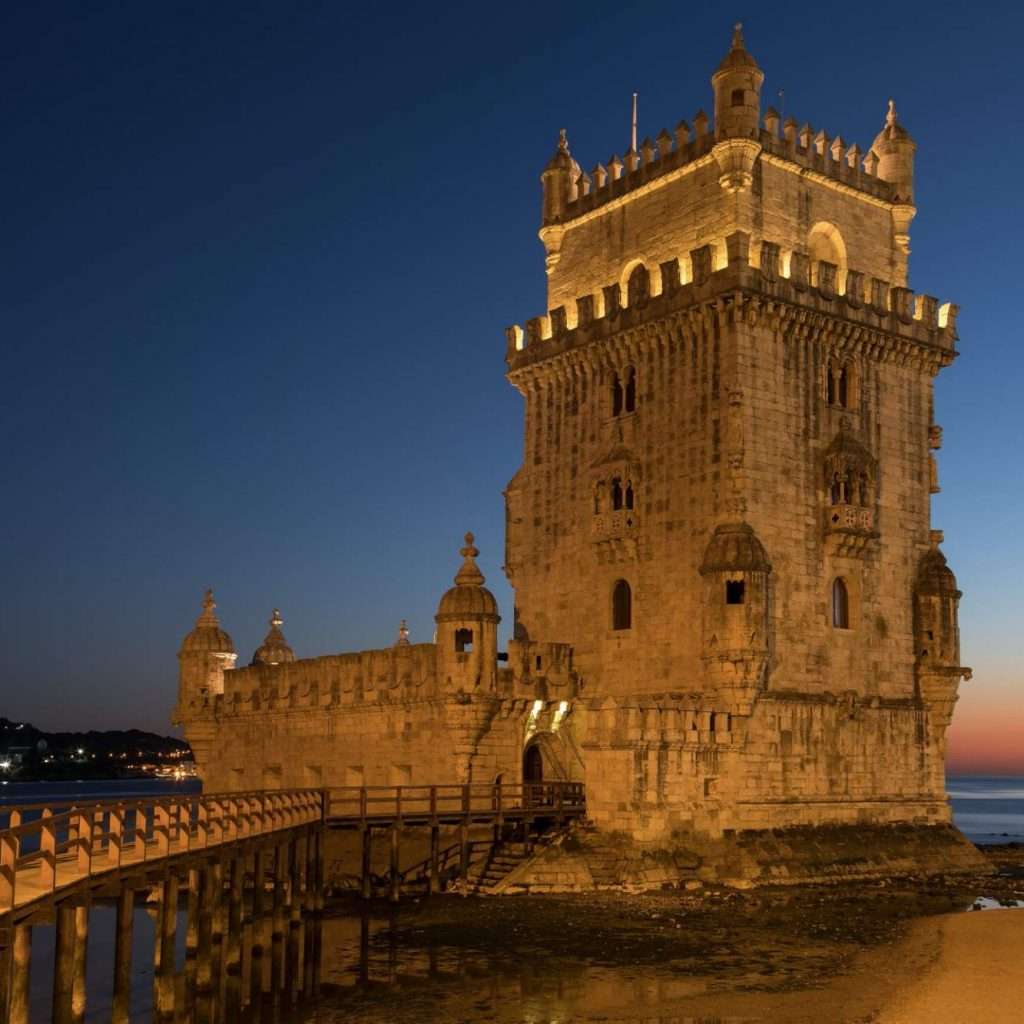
670	156
787	276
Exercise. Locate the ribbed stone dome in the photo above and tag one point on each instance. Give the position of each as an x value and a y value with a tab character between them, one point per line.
469	598
207	636
734	547
274	650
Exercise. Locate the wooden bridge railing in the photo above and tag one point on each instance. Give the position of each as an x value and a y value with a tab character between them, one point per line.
46	847
372	805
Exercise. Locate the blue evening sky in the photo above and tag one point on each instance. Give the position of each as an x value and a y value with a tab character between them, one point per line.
258	262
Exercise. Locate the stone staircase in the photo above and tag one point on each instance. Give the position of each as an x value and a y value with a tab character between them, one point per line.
506	858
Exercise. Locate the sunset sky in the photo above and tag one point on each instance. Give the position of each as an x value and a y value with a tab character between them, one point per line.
259	262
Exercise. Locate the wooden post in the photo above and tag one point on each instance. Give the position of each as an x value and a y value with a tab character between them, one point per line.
278	922
233	940
78	992
217	911
121	1009
191	946
394	879
435	868
293	974
21	971
163	952
259	930
464	836
204	949
247	932
64	965
309	913
367	841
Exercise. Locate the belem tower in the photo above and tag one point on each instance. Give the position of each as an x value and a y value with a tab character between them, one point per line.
732	614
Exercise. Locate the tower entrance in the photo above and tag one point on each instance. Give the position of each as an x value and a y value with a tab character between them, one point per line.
533	764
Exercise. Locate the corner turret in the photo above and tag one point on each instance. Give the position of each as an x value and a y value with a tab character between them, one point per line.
895	151
205	655
467	630
735	569
558	181
737	86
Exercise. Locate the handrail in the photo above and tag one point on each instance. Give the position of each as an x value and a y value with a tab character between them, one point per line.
453	801
107	834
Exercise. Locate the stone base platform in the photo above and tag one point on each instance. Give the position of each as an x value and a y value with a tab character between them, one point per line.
588	859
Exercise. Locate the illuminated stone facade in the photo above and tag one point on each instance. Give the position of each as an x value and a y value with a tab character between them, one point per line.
731	610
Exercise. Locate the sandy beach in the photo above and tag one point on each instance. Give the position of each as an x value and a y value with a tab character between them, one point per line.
960	968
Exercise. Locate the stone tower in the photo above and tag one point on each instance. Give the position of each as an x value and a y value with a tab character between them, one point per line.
724	496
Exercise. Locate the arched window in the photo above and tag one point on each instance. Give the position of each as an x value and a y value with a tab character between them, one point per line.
622	606
839	384
616	494
840	604
598	497
629	495
630	402
638	286
617	396
836	490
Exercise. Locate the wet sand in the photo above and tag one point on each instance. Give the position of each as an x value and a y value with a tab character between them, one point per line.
868	953
973	971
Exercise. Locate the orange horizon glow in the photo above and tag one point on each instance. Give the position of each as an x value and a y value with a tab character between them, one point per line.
987	734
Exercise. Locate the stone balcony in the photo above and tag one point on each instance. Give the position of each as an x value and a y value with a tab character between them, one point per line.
849	528
620	523
615	535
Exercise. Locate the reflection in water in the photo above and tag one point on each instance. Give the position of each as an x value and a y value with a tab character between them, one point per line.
369	977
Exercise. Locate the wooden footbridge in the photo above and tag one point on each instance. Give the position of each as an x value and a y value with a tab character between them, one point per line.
249	868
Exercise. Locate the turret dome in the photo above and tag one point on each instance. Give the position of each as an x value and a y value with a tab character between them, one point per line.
734	547
469	598
934	576
274	650
738	56
207	636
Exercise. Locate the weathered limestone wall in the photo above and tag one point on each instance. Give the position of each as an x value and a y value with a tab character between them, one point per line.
659	768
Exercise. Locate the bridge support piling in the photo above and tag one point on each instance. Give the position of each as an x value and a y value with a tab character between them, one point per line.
435	868
123	927
248	930
293	977
309	915
233	940
204	948
21	969
367	889
164	951
394	878
259	929
188	994
63	965
217	915
78	992
278	921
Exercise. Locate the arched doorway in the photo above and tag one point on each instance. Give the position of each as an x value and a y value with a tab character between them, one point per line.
533	764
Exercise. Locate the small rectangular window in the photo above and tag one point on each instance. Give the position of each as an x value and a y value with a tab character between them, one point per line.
538	662
463	641
734	591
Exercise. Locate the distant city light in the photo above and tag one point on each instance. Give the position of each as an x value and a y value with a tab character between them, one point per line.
4	765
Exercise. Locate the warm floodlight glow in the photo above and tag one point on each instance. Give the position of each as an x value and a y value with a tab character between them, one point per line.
560	712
